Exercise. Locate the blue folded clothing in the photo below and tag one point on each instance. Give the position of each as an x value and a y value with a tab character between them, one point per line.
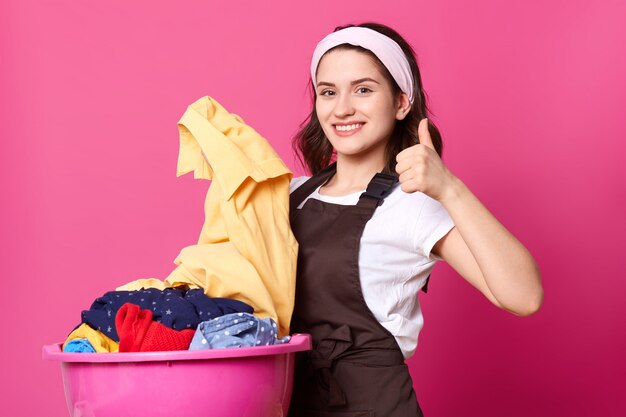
79	345
236	330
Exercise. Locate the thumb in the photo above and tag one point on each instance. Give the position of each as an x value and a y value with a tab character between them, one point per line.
424	135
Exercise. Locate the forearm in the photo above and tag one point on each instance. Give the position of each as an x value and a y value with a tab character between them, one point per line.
507	267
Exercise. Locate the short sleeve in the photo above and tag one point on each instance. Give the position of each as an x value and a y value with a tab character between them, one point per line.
432	224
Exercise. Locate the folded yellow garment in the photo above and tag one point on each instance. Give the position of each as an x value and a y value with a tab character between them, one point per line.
246	250
99	341
141	283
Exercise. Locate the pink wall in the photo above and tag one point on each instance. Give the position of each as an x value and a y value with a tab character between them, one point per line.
530	97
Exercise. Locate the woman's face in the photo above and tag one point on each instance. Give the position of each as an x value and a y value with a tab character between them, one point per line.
355	105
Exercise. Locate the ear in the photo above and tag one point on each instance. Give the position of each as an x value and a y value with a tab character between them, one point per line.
403	106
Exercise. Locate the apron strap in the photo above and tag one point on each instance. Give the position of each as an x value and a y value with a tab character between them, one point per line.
378	188
302	192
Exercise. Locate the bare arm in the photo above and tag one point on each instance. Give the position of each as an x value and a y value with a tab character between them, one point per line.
479	247
488	256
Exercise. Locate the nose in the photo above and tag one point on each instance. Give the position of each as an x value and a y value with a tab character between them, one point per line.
343	106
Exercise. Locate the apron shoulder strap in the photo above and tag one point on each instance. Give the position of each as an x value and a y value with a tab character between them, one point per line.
297	197
378	188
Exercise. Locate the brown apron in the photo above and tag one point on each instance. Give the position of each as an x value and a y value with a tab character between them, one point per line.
356	367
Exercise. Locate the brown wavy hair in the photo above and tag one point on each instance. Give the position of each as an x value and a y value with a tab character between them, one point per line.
314	150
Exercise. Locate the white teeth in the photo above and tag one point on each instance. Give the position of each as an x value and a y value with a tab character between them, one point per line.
348	127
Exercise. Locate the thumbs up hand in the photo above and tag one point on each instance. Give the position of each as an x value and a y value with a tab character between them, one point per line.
420	168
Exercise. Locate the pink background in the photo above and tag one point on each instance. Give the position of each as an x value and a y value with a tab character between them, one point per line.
530	97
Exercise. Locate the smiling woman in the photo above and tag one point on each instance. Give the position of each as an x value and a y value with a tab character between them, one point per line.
361	262
356	108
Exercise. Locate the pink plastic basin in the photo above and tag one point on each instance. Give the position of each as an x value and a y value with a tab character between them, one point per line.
250	382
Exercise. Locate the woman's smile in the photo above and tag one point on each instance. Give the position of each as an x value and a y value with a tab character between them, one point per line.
347	129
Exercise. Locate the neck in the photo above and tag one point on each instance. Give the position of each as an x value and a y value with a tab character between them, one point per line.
354	174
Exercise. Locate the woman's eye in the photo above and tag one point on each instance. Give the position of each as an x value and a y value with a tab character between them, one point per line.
327	93
364	90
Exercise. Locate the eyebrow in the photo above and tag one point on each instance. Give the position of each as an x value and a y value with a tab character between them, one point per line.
360	80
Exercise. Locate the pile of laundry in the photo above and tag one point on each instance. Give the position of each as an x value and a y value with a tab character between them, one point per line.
236	286
172	319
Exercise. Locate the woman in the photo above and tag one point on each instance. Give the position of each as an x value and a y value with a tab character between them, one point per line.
372	224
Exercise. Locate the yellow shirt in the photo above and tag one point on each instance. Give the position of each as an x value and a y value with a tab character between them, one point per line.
246	250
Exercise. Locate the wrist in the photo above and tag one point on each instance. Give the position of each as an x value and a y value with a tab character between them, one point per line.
453	190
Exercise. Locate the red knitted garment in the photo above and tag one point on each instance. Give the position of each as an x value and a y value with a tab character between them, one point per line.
138	333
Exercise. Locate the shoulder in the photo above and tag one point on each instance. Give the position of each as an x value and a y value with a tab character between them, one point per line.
417	203
424	220
296	182
411	203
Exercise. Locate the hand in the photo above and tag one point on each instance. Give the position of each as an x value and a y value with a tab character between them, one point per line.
420	168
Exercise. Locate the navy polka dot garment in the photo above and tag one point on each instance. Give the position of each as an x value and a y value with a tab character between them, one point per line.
176	308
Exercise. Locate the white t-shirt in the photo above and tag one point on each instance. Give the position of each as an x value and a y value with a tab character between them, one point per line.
395	257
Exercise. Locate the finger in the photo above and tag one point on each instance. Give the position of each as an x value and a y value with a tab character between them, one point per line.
408	184
424	134
402	166
408	153
403	154
405	177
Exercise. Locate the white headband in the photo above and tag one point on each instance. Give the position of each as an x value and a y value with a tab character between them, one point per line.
385	49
